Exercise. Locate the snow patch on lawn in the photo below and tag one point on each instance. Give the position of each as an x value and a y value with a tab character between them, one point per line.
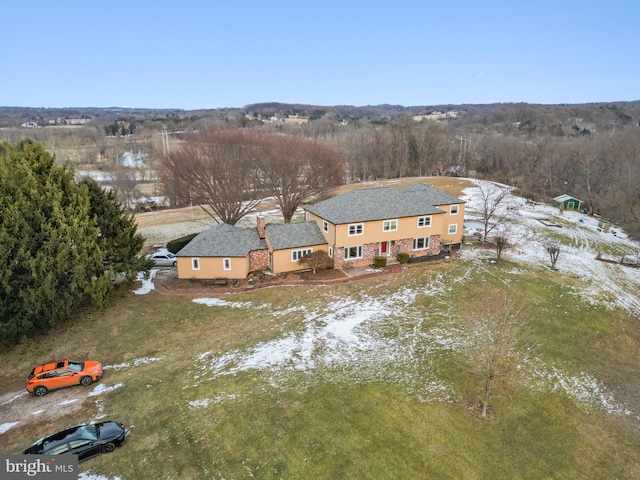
88	475
4	427
205	402
200	403
21	394
102	388
216	302
133	363
433	391
147	283
582	387
346	338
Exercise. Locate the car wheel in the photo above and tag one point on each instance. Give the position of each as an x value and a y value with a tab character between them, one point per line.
40	391
108	447
86	381
175	263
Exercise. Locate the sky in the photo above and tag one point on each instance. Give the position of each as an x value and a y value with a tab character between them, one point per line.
198	54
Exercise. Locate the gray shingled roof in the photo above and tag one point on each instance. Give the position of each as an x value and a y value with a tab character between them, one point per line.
292	235
370	204
224	241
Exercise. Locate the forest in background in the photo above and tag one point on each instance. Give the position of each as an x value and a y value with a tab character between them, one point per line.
590	151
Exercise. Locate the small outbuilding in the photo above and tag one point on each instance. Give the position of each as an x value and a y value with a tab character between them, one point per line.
567	202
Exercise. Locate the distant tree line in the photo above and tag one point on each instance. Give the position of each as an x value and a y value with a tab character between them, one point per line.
120	127
589	151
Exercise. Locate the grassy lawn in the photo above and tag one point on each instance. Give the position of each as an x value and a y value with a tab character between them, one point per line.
202	400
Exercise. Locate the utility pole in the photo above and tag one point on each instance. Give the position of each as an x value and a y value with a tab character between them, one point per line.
165	141
191	203
465	146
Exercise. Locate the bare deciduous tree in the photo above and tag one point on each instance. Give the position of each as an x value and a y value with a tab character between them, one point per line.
433	147
554	252
230	172
125	183
501	241
495	330
217	171
495	205
294	170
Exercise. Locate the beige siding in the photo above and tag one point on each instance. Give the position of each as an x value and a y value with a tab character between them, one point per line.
373	232
400	240
329	236
448	220
282	259
213	267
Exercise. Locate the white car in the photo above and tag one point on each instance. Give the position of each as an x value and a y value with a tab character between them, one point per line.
164	259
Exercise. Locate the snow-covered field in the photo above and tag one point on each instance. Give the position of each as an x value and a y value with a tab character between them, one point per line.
616	285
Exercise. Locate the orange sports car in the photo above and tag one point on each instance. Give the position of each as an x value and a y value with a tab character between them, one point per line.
65	373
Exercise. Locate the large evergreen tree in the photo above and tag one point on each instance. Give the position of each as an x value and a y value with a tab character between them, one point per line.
52	255
118	238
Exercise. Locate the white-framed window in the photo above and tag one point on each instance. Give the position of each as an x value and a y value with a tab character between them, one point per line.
195	264
296	255
424	221
325	226
356	229
453	228
421	243
330	252
226	263
454	209
390	225
353	252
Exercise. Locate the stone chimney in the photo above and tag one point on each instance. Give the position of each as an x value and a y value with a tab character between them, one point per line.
260	225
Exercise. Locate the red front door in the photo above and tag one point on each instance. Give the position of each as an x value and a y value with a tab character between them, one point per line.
384	249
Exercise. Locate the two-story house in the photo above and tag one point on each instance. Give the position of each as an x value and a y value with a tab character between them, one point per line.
362	224
353	228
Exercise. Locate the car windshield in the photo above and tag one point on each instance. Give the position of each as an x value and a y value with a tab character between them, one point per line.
76	366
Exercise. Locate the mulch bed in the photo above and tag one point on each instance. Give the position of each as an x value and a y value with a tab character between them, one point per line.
429	258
